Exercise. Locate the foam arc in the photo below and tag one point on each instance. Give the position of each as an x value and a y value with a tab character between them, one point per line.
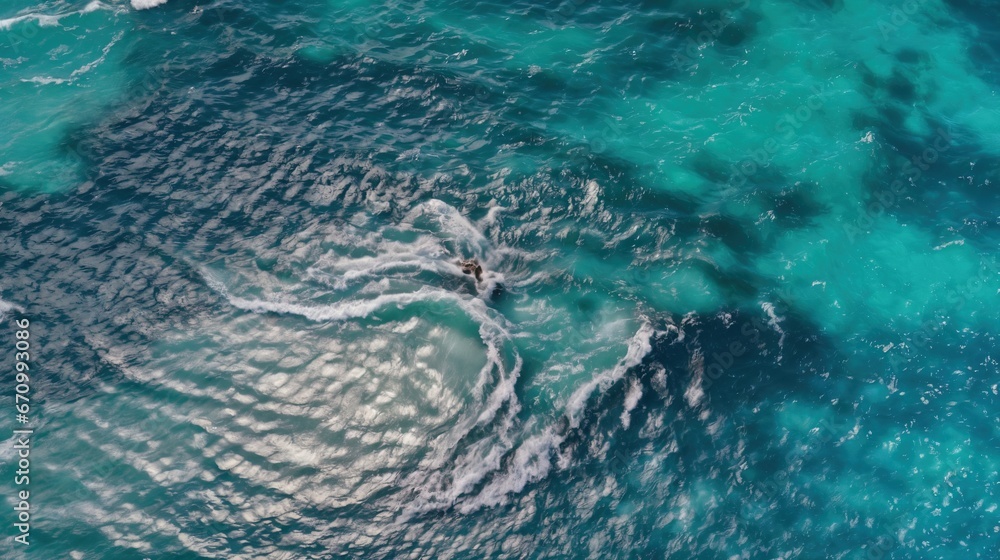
531	460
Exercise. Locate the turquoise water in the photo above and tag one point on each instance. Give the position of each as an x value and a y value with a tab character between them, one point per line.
739	292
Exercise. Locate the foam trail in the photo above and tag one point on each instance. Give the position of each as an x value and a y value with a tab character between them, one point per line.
43	21
104	55
443	236
492	334
485	456
354	270
450	219
453	223
638	348
337	312
46	20
45	80
531	463
532	459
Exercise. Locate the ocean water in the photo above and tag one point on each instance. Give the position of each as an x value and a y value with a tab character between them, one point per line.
739	294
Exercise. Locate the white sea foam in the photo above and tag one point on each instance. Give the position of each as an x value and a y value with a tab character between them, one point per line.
44	80
631	401
104	55
775	323
146	4
432	238
50	20
638	348
591	198
351	309
48	80
7	307
464	236
491	216
42	19
695	392
342	272
531	461
493	333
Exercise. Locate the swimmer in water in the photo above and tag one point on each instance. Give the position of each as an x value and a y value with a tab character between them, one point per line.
471	266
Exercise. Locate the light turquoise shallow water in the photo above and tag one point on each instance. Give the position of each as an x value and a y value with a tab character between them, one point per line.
739	294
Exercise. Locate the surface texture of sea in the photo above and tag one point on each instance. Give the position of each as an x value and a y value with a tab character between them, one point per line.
740	291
